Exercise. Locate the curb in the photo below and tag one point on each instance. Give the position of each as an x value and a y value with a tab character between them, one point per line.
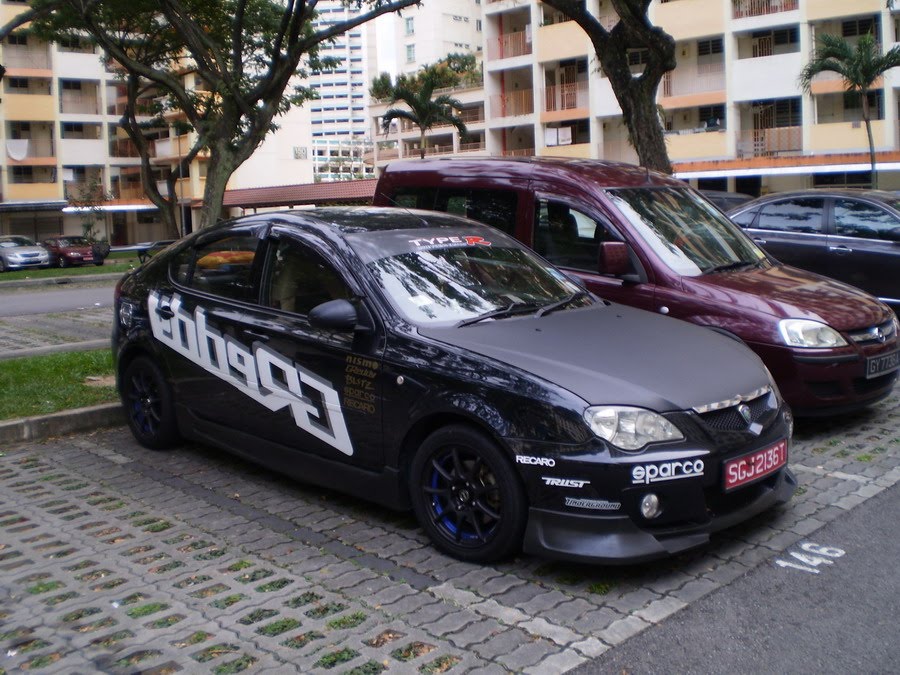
87	345
62	281
42	427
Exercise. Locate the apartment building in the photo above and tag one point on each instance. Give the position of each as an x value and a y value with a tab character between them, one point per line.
426	33
59	111
734	115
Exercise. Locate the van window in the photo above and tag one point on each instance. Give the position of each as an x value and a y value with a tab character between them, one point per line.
496	208
566	236
413	198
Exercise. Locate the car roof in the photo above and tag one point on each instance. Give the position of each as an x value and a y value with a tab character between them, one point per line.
604	173
359	219
882	196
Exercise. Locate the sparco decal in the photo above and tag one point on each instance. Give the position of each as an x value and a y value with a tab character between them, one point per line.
596	504
656	473
564	482
262	374
535	461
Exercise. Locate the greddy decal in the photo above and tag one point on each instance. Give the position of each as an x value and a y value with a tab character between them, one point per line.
644	474
564	482
597	504
262	374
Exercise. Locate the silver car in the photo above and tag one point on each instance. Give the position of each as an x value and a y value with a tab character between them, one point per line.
18	253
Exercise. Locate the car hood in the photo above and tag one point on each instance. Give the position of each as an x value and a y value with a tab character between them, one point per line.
787	292
24	249
83	250
617	355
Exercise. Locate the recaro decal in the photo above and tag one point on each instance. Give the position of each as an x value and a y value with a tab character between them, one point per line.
644	474
535	461
252	371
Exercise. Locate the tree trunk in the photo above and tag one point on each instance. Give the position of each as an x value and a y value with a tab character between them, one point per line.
868	123
422	143
219	169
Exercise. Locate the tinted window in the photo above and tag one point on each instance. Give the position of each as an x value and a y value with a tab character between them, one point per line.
496	208
853	218
801	214
566	236
301	279
745	219
223	267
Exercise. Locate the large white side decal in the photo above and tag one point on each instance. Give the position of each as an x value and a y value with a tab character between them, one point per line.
262	374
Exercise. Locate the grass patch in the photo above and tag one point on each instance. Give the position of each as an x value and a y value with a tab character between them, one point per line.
40	385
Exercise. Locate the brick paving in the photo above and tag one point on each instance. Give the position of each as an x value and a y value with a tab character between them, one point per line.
32	331
117	559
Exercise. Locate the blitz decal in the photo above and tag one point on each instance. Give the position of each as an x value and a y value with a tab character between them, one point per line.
262	374
644	474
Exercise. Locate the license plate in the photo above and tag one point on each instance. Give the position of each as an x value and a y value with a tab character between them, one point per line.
754	466
879	365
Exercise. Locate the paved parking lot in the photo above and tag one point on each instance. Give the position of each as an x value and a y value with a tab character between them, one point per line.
117	559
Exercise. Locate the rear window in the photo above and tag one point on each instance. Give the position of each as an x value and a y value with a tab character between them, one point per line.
496	208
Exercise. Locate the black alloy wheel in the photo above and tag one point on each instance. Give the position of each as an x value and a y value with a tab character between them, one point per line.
149	405
467	495
62	261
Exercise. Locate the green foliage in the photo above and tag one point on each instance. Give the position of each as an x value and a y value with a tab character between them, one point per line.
46	384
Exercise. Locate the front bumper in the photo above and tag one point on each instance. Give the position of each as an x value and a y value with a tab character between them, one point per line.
31	263
816	382
618	540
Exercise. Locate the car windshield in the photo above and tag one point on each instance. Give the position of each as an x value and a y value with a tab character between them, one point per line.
462	284
687	233
73	241
10	242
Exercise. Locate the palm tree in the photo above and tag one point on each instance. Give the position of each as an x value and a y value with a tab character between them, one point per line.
421	109
859	67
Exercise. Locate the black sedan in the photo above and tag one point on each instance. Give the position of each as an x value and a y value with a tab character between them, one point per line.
852	235
420	360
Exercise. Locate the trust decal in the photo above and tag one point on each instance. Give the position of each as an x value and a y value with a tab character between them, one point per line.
258	372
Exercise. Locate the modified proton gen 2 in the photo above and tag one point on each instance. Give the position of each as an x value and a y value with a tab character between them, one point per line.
424	361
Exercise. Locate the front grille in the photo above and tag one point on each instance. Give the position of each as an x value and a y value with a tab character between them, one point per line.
874	335
729	419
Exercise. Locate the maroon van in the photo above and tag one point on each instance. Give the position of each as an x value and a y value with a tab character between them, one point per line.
648	240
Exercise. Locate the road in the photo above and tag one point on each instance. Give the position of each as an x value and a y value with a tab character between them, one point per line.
43	300
841	618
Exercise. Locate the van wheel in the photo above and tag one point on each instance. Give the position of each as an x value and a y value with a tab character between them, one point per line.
149	405
467	496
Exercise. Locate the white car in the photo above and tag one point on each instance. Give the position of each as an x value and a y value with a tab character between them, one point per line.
18	253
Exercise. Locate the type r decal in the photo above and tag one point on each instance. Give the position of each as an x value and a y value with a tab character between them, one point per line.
258	372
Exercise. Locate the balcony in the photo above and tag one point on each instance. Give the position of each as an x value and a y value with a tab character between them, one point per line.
128	192
697	144
518	152
746	8
691	80
124	147
25	58
832	137
690	19
509	45
570	96
24	149
474	146
472	115
82	190
770	142
513	104
79	103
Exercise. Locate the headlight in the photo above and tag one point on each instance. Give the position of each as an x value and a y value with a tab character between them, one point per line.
630	428
809	333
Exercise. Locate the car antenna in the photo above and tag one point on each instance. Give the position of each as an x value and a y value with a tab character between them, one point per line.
405	208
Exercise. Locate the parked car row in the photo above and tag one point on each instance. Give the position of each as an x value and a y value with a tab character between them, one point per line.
18	252
426	361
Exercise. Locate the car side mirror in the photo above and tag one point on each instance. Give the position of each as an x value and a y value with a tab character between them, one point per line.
892	235
334	315
613	259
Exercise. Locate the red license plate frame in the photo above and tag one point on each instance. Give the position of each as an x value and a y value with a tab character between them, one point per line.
754	466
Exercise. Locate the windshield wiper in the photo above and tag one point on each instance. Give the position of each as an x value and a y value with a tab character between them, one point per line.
510	310
731	266
559	304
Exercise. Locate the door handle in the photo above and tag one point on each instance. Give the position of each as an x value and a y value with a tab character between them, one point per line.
761	242
840	250
165	311
261	337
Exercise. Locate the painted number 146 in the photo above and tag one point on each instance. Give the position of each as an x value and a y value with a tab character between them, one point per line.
813	555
